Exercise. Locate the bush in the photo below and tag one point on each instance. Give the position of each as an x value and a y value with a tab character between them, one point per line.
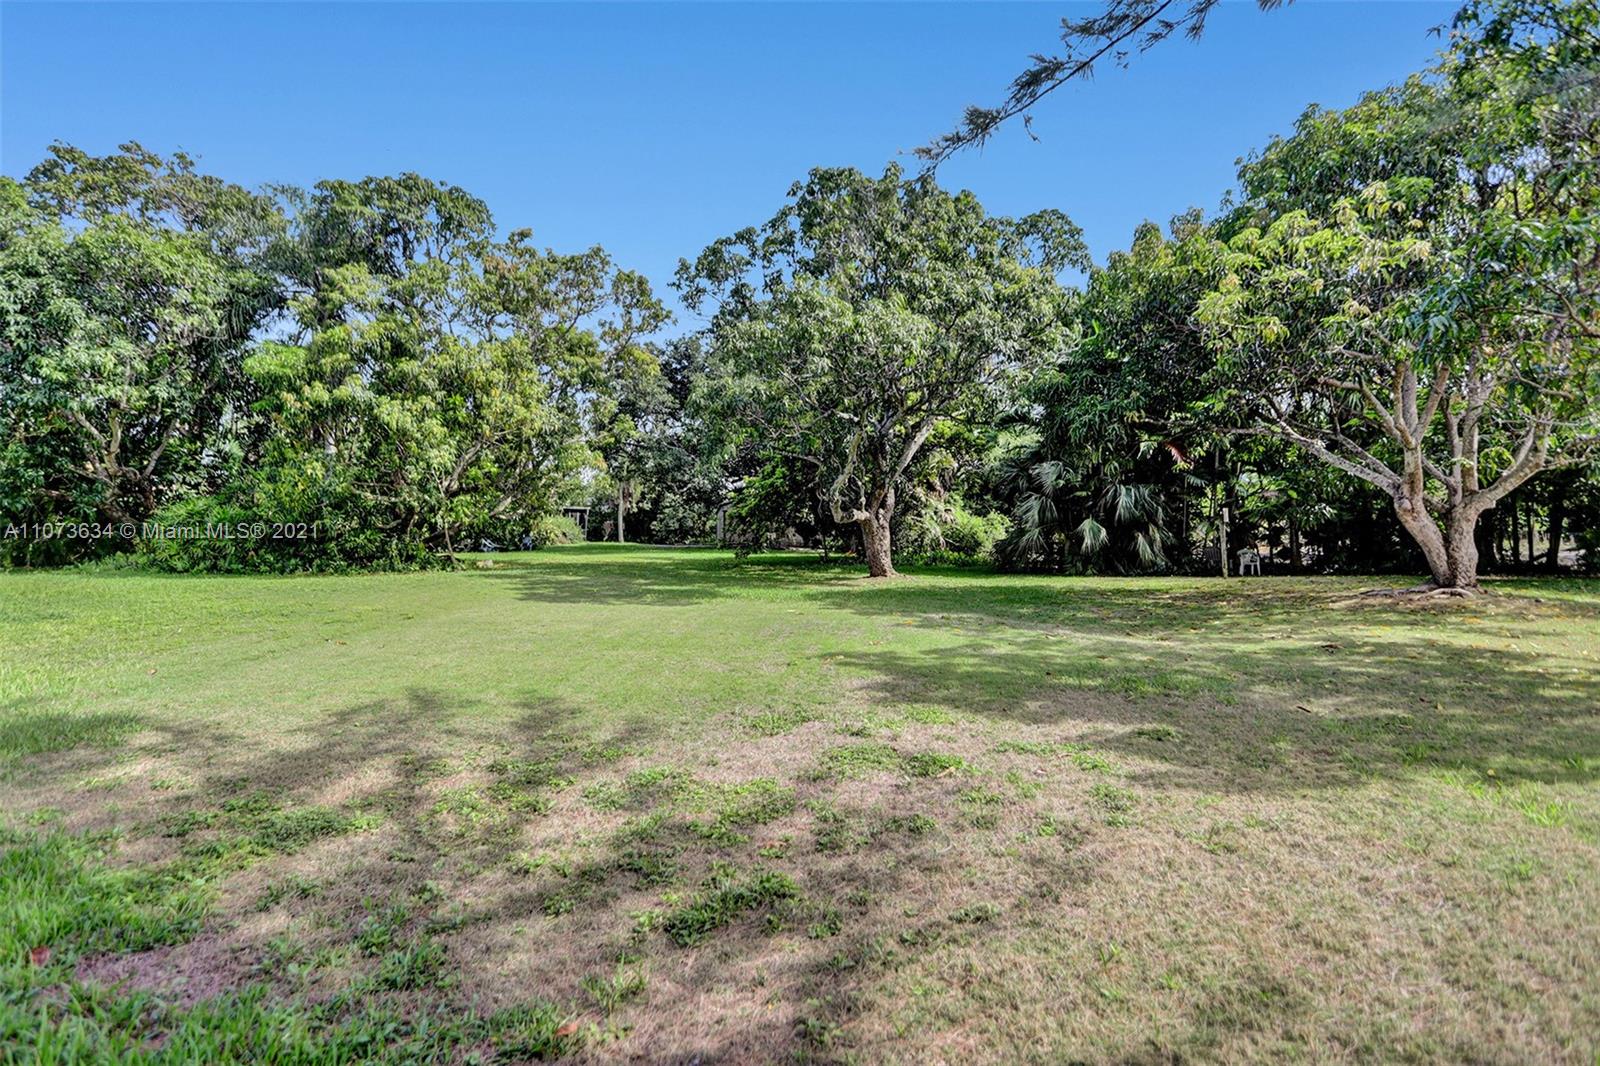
555	529
948	533
214	534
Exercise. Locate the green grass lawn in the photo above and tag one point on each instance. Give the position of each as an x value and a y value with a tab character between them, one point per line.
651	805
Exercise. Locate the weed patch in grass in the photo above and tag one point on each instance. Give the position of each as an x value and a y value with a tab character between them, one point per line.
738	807
975	914
246	829
776	723
416	965
540	1031
383	928
724	897
856	760
927	714
933	764
295	887
1092	762
611	992
58	895
859	760
1116	803
843	829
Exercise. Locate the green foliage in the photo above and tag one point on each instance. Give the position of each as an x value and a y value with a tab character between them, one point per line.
1404	292
1108	453
130	286
724	897
424	384
866	312
436	390
1408	291
946	531
554	529
781	494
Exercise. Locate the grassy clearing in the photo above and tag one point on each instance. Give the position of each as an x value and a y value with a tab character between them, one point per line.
622	804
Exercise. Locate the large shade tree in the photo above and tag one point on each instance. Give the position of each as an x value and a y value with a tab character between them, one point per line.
1432	328
130	286
436	381
866	311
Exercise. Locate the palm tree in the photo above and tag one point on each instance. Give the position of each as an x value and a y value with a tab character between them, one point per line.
1095	512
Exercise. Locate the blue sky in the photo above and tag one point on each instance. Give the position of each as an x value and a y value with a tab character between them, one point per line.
655	128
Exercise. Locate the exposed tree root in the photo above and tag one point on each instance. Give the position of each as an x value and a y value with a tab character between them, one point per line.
1428	591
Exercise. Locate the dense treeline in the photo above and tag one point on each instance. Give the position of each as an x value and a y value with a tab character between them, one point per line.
1380	355
364	365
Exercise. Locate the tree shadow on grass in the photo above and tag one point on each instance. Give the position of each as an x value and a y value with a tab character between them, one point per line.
1366	714
1260	687
525	853
528	901
25	733
1271	684
497	841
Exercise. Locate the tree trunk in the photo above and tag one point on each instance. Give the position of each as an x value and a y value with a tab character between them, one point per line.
875	542
621	537
1295	558
1488	535
1451	552
1461	544
1558	521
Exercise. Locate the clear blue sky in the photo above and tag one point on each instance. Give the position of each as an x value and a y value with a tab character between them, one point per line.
655	128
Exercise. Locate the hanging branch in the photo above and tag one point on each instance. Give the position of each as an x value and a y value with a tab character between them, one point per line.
1124	27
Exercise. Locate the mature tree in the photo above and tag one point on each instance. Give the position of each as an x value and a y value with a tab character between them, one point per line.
865	312
130	285
437	382
1437	333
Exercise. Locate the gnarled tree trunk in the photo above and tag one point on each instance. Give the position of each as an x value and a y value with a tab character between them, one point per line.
873	505
875	541
1451	551
1442	522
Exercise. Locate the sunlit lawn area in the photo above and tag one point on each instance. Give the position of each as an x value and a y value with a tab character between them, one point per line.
666	805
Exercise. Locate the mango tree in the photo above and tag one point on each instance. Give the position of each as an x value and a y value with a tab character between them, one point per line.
866	311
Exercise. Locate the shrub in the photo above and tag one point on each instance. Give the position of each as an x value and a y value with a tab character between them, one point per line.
551	529
947	533
219	534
